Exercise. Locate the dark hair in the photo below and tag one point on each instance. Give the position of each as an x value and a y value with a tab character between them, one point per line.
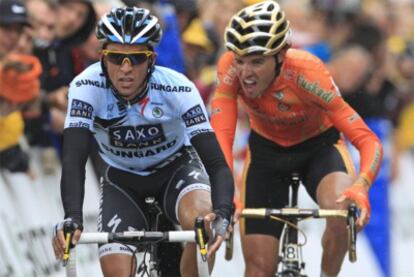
367	34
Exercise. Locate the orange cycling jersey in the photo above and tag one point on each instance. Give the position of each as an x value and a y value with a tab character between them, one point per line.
301	103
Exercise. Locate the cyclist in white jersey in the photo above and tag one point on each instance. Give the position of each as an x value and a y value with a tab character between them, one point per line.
154	138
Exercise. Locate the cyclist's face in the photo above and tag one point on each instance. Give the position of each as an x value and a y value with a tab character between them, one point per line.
128	77
256	73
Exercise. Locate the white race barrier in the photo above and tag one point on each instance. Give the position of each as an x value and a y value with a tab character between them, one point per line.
28	211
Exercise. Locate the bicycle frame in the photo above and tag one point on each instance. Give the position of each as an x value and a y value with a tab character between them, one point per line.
290	262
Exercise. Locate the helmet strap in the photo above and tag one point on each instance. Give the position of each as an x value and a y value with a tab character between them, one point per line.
279	60
278	65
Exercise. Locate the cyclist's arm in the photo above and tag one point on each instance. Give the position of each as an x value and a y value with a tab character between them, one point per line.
317	87
347	121
76	145
223	121
224	106
221	179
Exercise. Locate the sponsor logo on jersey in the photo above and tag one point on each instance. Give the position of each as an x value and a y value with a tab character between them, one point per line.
168	88
315	89
289	75
121	107
140	136
139	153
81	109
79	124
376	161
216	110
194	116
353	118
229	76
199	131
279	95
283	107
94	83
157	112
110	107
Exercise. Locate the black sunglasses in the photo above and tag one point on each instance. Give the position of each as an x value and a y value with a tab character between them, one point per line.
133	57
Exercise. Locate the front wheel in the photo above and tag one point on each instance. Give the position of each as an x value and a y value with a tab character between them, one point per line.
290	273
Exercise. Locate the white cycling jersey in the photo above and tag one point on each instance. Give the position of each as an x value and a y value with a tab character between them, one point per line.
136	137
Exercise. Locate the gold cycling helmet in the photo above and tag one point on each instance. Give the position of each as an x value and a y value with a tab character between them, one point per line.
261	28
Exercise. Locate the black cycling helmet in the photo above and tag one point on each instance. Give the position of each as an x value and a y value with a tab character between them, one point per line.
129	25
133	26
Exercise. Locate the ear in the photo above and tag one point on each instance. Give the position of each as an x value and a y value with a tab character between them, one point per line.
153	59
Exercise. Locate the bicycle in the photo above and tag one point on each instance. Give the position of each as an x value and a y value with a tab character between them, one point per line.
149	262
291	263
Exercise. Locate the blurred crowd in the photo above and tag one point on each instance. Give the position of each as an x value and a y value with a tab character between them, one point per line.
368	45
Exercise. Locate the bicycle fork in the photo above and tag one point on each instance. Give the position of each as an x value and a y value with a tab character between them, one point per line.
154	212
291	260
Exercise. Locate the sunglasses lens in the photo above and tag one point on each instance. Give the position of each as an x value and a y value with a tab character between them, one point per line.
115	58
135	59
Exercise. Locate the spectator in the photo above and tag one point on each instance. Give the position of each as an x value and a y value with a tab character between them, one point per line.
43	18
198	48
378	97
350	67
19	84
186	11
12	22
75	21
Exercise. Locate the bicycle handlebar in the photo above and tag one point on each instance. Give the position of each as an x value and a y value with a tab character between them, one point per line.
138	236
198	235
288	213
293	213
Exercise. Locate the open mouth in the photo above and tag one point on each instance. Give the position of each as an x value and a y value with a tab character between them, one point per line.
126	82
249	85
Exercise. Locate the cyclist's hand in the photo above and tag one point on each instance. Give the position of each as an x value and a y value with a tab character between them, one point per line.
358	194
219	228
59	242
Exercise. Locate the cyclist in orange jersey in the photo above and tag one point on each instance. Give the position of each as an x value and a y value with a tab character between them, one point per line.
298	119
